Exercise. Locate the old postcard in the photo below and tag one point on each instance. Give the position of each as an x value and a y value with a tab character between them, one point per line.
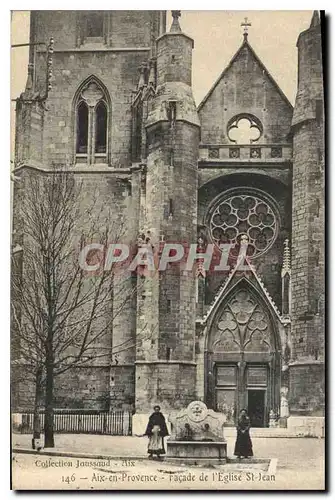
167	287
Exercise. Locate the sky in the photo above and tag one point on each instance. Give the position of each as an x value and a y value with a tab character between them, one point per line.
217	36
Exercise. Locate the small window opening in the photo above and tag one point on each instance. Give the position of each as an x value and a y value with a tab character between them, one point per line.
94	25
172	111
171	157
170	206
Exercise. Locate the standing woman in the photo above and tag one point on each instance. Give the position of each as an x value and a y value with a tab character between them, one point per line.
156	431
243	445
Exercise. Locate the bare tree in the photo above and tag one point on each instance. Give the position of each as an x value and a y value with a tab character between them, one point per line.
62	314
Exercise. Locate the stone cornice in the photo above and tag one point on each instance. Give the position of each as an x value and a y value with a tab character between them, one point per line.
254	163
103	49
175	33
73	170
164	362
301	362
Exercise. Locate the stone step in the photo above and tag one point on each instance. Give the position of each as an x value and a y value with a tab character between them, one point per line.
273	432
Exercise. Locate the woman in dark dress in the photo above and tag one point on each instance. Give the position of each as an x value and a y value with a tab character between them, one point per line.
243	445
156	431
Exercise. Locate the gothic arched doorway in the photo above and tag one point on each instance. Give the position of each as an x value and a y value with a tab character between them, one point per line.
242	360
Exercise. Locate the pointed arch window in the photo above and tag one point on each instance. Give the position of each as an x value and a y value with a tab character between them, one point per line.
82	128
101	128
92	113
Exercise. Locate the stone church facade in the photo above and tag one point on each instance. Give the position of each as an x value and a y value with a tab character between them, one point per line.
244	168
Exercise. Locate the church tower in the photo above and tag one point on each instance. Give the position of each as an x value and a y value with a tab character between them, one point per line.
165	367
76	114
307	366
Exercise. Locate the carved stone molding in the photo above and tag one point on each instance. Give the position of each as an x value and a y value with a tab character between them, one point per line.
92	94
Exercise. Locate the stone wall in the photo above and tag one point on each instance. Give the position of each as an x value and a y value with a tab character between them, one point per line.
174	59
22	388
170	385
245	87
307	389
29	130
88	388
83	388
308	244
67	27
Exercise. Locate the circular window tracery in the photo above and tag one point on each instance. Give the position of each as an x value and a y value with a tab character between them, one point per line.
244	214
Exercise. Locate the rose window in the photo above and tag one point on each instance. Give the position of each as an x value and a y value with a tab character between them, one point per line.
244	215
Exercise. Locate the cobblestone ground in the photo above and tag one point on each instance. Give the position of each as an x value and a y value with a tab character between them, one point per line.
299	465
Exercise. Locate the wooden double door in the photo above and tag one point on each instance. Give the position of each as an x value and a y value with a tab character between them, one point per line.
242	385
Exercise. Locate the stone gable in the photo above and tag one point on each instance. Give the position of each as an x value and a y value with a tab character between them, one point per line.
245	87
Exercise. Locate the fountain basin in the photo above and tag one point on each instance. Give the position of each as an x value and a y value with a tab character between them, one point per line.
192	452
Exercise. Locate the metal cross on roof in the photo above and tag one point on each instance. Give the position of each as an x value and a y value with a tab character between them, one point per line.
245	24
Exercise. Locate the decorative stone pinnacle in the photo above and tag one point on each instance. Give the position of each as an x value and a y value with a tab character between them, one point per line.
286	258
29	84
246	25
175	26
315	19
141	81
152	72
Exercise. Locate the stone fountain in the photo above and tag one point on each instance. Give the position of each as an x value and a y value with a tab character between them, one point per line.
197	436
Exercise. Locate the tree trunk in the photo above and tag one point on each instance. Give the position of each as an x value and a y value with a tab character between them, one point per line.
49	409
37	418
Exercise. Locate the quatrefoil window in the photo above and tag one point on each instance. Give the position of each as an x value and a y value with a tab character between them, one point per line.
244	214
244	129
